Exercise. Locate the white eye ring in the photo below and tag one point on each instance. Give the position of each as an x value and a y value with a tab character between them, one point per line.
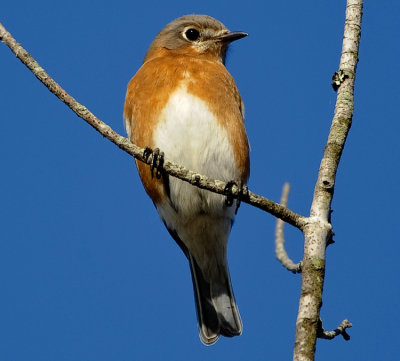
191	34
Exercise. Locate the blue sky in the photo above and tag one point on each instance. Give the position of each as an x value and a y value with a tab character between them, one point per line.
87	270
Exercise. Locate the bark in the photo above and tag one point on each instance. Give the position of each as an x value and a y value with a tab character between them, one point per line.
318	230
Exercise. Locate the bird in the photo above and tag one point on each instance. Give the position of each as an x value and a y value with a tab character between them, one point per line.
183	101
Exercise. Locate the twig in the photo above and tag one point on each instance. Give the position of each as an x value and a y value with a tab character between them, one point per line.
169	167
340	330
280	251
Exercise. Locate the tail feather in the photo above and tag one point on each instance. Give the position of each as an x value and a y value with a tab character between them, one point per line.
217	312
207	317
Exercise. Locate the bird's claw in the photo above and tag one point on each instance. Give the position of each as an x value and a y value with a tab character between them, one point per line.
228	193
157	160
243	193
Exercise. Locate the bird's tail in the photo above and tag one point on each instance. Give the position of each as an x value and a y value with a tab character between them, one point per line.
217	312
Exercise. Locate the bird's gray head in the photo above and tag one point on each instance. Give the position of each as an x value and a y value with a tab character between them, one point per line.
195	34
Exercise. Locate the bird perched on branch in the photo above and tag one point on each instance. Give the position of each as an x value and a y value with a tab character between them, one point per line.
184	102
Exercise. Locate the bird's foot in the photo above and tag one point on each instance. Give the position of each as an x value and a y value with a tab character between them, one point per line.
243	193
157	160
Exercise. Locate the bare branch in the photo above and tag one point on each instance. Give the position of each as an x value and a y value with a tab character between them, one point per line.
280	251
318	231
340	330
169	167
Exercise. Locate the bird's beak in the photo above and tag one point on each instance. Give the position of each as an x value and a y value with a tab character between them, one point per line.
231	36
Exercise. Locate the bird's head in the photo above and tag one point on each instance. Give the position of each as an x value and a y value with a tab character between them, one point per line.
197	35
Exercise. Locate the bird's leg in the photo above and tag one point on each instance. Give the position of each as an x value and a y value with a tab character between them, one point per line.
228	193
157	160
243	193
159	163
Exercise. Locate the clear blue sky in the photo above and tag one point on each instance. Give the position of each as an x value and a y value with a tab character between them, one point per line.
87	270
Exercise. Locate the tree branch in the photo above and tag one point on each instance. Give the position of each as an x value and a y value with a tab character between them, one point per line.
169	167
340	330
280	251
318	230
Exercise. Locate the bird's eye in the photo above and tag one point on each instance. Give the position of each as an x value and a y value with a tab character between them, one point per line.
192	34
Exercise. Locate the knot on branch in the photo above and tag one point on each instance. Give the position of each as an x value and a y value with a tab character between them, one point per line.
327	184
338	78
196	178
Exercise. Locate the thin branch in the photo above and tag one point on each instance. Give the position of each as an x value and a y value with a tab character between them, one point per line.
280	251
318	231
169	167
340	330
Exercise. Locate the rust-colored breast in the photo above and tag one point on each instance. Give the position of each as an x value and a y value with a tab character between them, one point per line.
149	91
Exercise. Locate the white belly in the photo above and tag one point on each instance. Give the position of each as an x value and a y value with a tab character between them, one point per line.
190	134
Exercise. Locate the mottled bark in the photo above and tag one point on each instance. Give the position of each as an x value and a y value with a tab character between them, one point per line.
317	231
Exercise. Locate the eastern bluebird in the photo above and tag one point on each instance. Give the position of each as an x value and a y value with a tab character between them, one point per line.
184	102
